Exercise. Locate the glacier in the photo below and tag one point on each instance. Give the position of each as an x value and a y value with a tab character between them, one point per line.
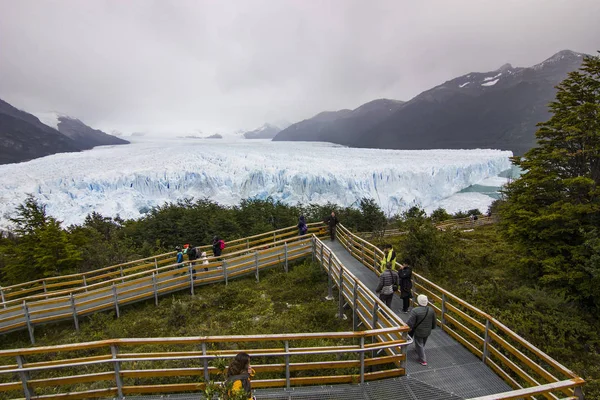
129	180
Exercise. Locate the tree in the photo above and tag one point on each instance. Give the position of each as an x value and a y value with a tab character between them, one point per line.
553	209
41	248
424	246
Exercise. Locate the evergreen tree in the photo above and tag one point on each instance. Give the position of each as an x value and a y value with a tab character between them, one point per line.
553	210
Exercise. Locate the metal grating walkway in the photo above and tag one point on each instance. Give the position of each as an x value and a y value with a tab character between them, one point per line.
404	388
451	367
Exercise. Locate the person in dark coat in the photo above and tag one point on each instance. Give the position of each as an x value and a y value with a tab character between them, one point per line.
405	275
217	246
192	254
331	221
388	284
302	227
422	321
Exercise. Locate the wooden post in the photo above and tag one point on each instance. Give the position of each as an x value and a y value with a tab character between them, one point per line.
486	341
287	364
285	253
28	321
321	260
116	297
2	294
117	365
155	263
362	253
355	306
362	359
256	265
75	319
341	293
44	286
121	269
314	248
443	316
329	281
24	375
247	243
155	286
224	265
205	362
85	283
191	270
375	309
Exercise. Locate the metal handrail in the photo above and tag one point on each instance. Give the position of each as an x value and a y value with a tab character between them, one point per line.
491	347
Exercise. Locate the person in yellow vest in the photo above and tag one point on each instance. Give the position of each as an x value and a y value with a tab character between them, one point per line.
240	372
389	256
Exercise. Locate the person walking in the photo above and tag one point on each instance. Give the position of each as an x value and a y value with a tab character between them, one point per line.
302	227
204	260
192	254
405	275
421	321
179	256
332	221
389	257
388	284
240	373
217	245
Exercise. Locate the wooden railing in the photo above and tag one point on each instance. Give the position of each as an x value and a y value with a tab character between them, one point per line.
77	283
522	365
151	283
455	223
172	365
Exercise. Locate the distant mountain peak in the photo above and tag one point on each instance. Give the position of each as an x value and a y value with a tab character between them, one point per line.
560	56
505	67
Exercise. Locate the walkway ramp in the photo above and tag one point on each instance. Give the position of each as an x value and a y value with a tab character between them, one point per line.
451	367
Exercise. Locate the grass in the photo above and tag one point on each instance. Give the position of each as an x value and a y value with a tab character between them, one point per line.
292	302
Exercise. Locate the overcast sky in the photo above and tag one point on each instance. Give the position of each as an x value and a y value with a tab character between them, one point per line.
177	66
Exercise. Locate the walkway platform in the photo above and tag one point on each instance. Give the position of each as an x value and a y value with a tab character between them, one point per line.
451	367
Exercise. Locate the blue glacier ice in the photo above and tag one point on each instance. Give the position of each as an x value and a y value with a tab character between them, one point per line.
128	180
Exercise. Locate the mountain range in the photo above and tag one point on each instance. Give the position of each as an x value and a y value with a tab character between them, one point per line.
24	136
267	131
497	109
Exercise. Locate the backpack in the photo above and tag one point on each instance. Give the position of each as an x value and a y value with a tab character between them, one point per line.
192	253
221	244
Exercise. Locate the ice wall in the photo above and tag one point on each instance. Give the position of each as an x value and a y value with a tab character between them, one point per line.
127	180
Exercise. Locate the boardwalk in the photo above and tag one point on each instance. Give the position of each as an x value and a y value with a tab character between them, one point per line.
451	367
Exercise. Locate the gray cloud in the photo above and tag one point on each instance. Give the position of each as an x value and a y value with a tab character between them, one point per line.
176	66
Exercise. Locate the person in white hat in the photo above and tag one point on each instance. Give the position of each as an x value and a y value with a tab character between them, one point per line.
421	321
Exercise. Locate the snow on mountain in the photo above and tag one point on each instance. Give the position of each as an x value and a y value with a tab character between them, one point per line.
129	180
50	118
490	83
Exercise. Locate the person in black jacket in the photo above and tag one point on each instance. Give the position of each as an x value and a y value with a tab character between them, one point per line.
405	275
331	221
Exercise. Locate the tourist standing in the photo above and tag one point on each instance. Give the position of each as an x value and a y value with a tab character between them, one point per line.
421	321
388	284
405	274
302	227
332	222
389	257
240	373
